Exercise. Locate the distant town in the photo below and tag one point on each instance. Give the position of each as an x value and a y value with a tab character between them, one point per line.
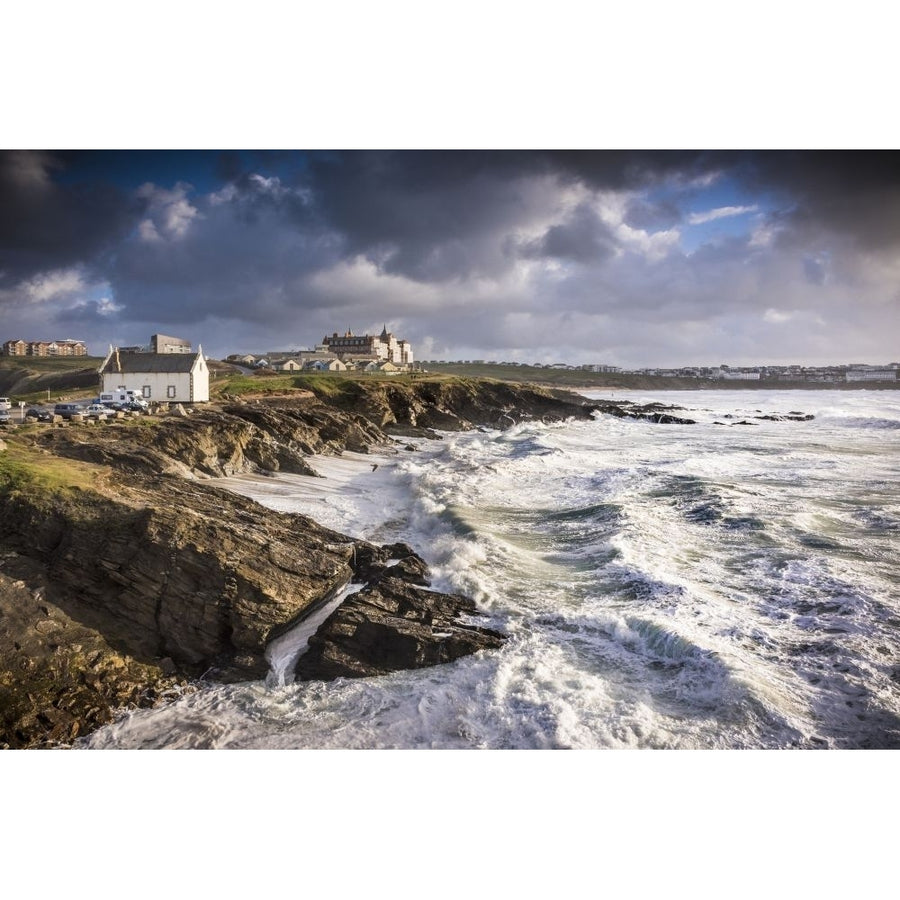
347	352
826	374
387	354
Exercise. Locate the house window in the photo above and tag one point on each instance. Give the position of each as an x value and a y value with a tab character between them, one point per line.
170	391
146	391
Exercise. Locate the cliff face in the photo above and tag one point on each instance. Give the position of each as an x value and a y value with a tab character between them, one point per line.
457	405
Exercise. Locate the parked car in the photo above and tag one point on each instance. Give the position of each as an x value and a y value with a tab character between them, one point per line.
95	410
41	415
67	410
134	406
4	417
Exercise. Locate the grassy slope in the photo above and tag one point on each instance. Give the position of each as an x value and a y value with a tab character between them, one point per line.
323	384
28	378
27	469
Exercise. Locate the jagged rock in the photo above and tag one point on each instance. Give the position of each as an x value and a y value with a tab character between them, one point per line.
390	626
202	576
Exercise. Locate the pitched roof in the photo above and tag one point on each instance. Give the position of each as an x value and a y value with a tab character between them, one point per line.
134	363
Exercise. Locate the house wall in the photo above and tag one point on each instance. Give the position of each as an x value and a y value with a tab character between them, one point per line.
164	387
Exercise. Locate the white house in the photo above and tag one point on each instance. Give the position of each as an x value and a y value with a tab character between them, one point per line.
163	377
287	365
327	365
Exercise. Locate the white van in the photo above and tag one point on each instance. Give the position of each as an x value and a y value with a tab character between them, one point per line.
122	395
5	404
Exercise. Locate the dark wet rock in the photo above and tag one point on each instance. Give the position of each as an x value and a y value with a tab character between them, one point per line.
649	412
371	562
665	419
390	626
411	569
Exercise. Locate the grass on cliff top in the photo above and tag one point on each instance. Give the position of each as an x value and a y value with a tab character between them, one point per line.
323	384
31	471
50	365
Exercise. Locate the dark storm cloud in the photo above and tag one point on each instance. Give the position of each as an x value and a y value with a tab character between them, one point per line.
652	215
581	238
47	225
425	214
422	215
629	169
242	254
850	193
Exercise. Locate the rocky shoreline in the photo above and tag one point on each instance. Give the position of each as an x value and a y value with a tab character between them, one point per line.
135	575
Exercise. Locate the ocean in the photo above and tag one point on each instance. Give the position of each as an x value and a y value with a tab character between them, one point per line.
729	584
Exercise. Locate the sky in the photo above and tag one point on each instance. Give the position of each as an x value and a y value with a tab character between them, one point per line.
628	258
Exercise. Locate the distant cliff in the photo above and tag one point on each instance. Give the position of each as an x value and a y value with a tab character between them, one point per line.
24	375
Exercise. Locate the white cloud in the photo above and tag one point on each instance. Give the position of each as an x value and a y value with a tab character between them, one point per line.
612	209
762	236
782	316
52	285
226	195
721	212
107	307
169	212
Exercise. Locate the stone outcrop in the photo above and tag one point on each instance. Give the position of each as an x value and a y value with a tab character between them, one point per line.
457	405
393	625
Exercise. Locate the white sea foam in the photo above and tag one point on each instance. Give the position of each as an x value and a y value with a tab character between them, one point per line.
660	585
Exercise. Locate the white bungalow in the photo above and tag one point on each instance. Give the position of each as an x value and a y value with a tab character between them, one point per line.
163	377
328	365
287	365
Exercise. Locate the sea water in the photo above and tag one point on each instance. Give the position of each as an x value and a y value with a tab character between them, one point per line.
717	585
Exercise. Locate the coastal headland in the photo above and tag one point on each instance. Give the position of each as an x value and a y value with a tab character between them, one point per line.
127	574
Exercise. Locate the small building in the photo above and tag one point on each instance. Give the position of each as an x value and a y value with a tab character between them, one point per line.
733	375
871	374
161	377
287	365
327	365
163	343
68	347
